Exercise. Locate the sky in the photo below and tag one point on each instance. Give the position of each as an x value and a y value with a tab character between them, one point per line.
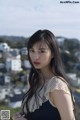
24	17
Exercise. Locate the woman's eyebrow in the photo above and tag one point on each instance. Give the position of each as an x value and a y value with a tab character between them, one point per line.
42	48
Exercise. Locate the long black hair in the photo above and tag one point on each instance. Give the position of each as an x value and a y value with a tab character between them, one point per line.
56	63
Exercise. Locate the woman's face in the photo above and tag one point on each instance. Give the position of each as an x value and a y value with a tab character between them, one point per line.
40	55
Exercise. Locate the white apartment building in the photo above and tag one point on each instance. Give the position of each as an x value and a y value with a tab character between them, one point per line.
4	47
26	64
24	51
2	94
13	64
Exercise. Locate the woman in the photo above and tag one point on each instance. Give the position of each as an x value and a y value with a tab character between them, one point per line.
49	96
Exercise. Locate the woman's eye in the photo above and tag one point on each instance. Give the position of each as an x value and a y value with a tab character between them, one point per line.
31	50
42	51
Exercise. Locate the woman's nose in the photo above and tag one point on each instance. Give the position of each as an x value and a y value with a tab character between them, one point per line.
36	56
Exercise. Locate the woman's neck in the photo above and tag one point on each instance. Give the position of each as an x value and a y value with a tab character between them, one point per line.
47	73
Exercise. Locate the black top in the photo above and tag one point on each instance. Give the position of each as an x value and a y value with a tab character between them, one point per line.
45	112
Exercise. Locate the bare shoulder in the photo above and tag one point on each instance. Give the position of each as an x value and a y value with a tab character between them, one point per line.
64	104
59	96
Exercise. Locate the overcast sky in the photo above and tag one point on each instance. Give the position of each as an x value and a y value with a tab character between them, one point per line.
24	17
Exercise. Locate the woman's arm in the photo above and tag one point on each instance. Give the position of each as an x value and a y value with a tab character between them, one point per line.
64	104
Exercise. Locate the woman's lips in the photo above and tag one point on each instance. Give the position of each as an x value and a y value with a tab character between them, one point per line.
37	63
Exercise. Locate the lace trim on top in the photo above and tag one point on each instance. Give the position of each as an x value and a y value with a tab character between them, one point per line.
43	95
